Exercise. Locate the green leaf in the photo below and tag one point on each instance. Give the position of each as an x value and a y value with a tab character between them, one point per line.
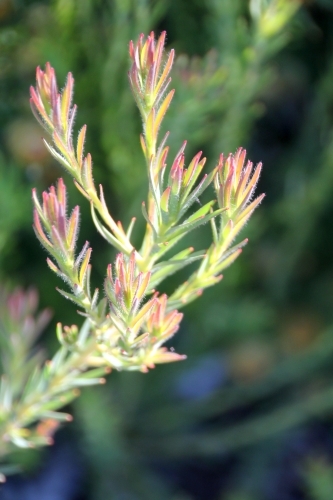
59	157
165	269
70	296
193	222
145	214
186	202
105	233
55	415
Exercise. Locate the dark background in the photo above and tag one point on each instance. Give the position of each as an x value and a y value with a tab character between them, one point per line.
249	415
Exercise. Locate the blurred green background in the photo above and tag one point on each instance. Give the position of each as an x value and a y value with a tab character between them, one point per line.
249	415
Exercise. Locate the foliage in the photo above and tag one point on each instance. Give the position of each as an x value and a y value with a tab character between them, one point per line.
253	401
122	330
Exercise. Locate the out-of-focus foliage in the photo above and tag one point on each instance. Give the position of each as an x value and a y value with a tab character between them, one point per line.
249	415
12	215
319	478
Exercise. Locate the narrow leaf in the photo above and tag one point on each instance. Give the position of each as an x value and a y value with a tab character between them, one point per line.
87	177
83	268
80	145
58	157
72	228
66	100
70	296
105	233
166	71
145	214
150	128
170	267
228	260
130	228
248	192
56	415
162	110
191	223
249	209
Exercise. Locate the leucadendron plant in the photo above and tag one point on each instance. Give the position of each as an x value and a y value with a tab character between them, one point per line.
126	326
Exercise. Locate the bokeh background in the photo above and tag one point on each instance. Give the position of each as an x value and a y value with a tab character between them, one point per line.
249	415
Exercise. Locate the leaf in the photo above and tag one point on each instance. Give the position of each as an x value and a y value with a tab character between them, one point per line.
192	173
249	190
80	145
228	260
161	111
84	267
165	356
130	228
70	296
194	197
150	129
165	269
72	228
59	358
61	146
105	233
245	214
56	415
84	382
66	101
161	87
58	157
87	177
193	222
84	333
164	202
145	214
